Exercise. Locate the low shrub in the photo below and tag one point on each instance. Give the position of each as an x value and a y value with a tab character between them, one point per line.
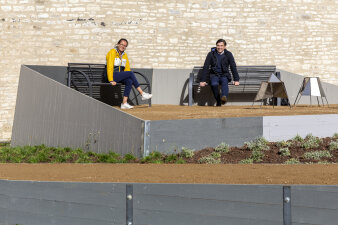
259	144
283	144
292	161
298	138
333	145
216	155
209	160
172	158
311	142
223	147
153	157
285	151
187	153
317	155
257	155
246	161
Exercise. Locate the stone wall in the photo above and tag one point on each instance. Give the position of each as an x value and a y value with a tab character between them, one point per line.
299	36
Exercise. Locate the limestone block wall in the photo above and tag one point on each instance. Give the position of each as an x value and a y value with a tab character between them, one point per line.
299	36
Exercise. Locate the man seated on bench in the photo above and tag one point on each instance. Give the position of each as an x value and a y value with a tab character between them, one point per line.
118	70
217	65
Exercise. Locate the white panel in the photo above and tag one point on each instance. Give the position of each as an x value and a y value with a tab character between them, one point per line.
278	128
314	87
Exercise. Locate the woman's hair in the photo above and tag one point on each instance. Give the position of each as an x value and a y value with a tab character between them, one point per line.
219	40
122	39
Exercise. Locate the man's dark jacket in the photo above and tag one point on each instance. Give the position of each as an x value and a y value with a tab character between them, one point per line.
210	65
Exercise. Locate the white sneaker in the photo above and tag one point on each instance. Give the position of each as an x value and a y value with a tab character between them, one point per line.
126	106
146	96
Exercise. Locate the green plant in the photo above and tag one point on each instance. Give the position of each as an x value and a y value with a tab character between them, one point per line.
216	155
257	155
292	161
298	138
223	147
335	135
129	157
246	161
333	145
311	142
209	160
258	144
4	144
187	153
180	161
153	157
317	155
172	158
323	162
285	151
283	144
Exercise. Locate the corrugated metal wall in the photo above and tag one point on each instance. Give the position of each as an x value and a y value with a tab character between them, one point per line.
50	113
35	203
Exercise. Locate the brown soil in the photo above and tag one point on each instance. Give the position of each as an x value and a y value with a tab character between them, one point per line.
175	112
273	154
169	173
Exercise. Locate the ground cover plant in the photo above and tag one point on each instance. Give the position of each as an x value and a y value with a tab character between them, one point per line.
294	151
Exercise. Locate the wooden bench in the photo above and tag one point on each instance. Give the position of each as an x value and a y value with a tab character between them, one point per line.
85	76
250	79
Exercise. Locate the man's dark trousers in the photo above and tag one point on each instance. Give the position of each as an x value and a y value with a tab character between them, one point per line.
215	82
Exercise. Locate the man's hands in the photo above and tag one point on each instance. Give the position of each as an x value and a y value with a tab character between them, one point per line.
202	84
113	83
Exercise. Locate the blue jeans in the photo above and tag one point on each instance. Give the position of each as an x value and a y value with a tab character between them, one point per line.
127	78
215	82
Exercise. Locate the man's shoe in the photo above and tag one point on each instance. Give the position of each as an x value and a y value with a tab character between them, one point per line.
146	96
224	100
126	106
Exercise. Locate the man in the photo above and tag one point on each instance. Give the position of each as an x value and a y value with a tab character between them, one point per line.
217	65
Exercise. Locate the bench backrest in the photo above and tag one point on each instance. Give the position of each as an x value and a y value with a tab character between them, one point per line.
97	73
250	77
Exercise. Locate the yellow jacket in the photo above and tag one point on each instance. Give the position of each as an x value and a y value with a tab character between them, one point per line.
116	63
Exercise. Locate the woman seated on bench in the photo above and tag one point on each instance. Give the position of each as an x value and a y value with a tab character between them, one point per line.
118	70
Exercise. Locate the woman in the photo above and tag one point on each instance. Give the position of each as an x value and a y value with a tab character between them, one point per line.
118	70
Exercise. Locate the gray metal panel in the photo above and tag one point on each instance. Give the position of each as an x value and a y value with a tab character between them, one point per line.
293	82
25	202
58	73
278	128
207	204
52	114
170	86
314	205
168	135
